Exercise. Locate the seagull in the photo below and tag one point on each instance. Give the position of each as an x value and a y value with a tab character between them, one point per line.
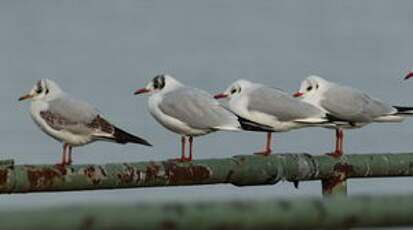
187	111
348	104
271	109
70	121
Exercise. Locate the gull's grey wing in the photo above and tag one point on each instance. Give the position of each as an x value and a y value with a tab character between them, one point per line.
280	105
353	105
65	113
196	108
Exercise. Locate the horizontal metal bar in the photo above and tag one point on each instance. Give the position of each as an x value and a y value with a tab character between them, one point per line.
333	213
238	170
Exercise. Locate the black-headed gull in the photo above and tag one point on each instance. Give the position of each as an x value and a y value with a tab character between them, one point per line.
273	109
348	104
186	111
73	122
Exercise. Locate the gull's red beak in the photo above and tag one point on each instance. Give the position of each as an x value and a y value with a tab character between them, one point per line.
220	96
298	94
26	97
141	91
409	75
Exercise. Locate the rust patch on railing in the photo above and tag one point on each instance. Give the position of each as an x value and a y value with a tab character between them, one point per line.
190	174
95	175
153	172
42	177
169	172
129	174
62	169
339	176
4	175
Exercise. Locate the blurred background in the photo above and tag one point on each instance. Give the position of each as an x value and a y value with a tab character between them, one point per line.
101	51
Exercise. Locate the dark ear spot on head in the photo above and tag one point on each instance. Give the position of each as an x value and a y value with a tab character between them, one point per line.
39	84
46	88
159	82
316	86
39	87
239	90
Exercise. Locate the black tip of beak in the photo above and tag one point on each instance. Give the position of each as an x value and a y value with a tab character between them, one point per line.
25	97
409	75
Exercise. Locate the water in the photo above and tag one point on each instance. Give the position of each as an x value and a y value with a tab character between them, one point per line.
102	51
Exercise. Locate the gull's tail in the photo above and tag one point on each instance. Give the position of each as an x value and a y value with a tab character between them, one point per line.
123	137
327	119
403	110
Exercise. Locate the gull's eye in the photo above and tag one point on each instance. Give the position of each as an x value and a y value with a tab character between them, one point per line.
233	91
309	88
155	84
39	90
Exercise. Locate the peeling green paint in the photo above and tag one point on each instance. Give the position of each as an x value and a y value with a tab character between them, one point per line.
238	170
300	213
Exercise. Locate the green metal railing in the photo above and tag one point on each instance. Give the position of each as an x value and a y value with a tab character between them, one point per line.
335	211
332	213
239	170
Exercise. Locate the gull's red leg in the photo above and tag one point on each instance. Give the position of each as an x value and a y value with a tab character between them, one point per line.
341	141
69	155
63	162
338	140
339	144
183	143
191	141
183	158
267	147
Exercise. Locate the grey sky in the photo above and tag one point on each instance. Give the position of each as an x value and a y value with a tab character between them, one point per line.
102	50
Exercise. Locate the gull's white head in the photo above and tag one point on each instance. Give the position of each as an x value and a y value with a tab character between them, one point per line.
236	89
160	83
311	87
44	89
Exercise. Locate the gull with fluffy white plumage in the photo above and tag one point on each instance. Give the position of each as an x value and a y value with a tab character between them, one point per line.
187	111
271	110
348	104
70	121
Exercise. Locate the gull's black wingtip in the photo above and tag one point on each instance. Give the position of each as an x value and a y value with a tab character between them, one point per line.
124	137
404	110
248	125
332	118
